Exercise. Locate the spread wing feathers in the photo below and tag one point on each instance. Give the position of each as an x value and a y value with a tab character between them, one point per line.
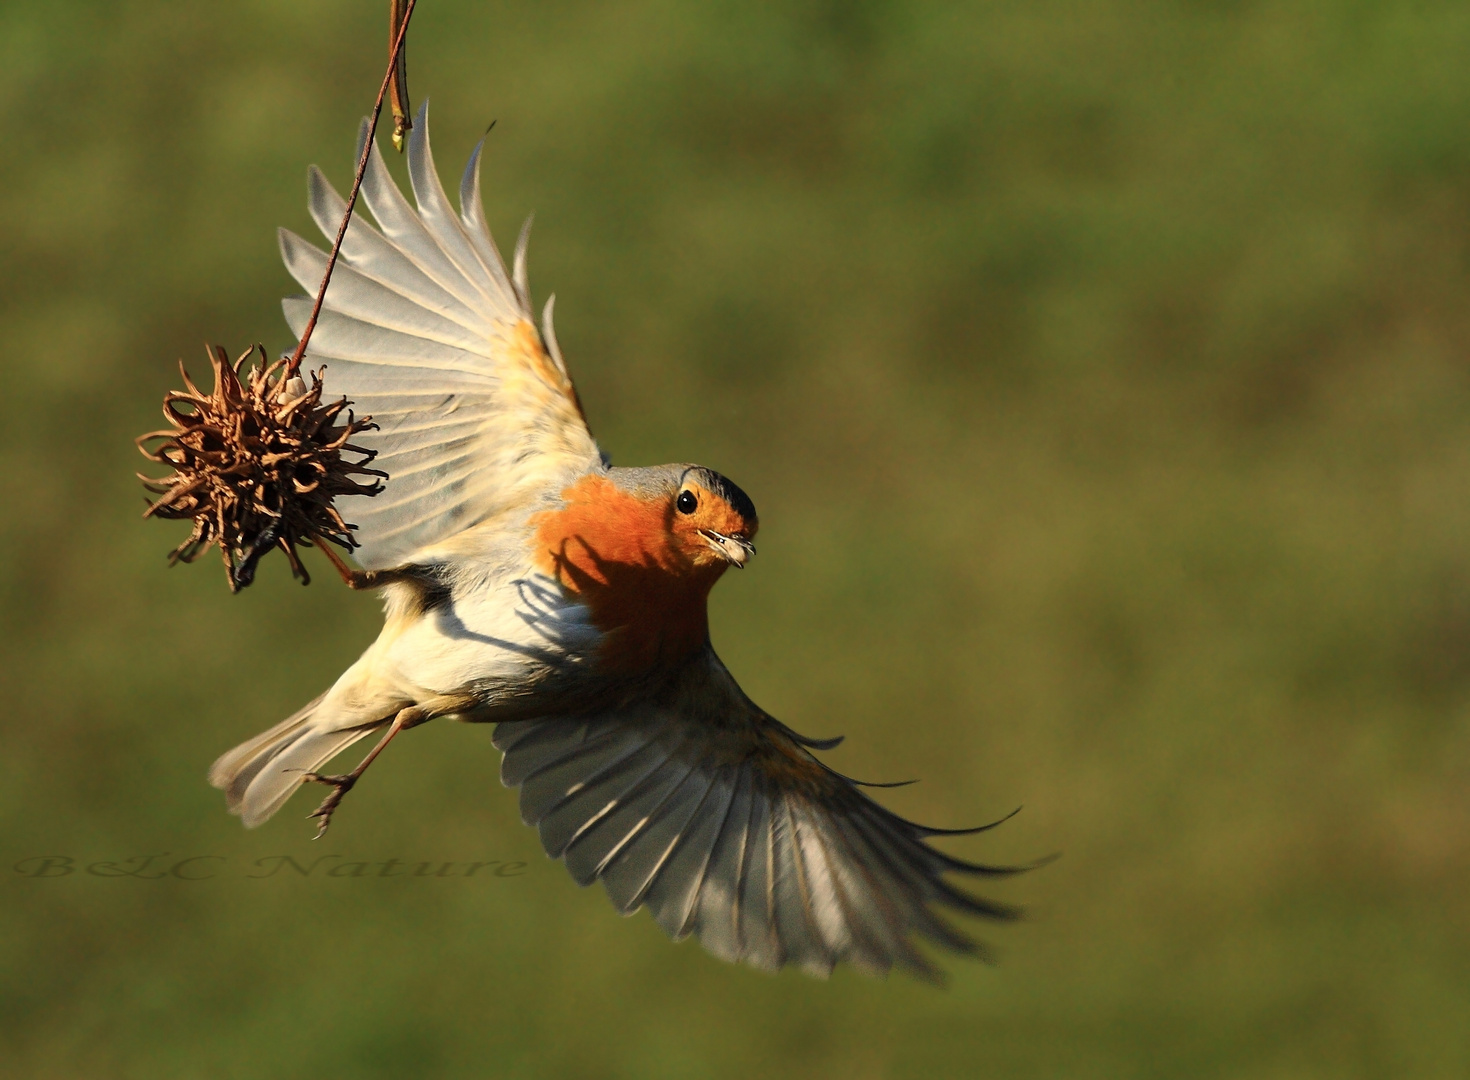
423	329
715	817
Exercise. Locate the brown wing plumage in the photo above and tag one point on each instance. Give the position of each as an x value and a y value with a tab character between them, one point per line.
716	817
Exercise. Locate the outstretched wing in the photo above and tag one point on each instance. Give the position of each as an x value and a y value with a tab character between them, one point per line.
714	816
423	329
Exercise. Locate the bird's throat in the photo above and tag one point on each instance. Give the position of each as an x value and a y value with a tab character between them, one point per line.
616	552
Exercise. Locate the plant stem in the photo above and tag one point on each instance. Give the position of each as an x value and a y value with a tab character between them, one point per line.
401	119
295	363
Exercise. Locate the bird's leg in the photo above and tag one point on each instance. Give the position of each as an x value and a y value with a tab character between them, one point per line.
358	579
341	785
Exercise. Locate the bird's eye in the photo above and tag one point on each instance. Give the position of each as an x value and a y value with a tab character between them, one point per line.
686	502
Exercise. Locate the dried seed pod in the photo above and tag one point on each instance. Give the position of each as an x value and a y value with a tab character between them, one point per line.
257	464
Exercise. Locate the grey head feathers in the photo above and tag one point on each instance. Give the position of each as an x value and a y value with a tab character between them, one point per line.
652	480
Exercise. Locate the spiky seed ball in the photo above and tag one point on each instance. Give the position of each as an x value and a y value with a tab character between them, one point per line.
257	464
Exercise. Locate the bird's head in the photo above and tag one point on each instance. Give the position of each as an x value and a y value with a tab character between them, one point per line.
713	522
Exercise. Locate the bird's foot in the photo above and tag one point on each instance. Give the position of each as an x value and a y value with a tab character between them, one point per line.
340	786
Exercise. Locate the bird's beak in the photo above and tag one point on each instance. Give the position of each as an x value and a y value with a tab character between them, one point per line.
734	549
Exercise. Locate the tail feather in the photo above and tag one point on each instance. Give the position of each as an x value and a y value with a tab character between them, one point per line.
259	775
237	761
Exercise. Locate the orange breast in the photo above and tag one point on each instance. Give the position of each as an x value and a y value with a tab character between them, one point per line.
615	551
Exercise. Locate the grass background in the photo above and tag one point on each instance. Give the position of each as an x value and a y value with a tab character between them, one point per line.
1101	371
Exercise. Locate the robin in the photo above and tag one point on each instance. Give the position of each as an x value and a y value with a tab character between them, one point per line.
529	583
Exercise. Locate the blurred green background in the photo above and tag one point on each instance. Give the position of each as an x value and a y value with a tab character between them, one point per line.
1101	371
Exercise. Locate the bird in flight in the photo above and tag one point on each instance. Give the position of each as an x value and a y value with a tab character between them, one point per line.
530	584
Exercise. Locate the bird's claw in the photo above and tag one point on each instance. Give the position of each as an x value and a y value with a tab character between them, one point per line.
340	786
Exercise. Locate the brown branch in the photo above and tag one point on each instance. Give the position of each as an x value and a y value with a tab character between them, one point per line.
294	365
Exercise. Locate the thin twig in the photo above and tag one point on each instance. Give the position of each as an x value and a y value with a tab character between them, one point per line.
401	109
295	363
